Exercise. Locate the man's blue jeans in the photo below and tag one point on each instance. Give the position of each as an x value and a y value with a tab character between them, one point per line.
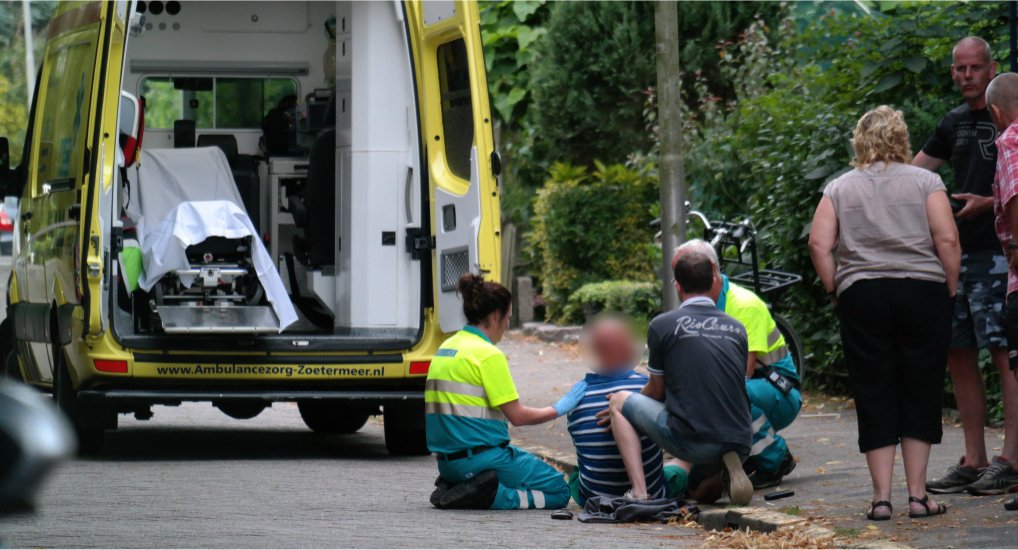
650	417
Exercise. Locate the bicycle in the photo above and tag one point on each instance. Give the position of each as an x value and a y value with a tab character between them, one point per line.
735	244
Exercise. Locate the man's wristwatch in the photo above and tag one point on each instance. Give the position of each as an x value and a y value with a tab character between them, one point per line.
1012	245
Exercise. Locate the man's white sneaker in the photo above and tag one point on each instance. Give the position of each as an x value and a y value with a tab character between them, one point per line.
740	488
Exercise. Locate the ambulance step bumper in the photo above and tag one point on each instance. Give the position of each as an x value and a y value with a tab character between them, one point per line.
218	320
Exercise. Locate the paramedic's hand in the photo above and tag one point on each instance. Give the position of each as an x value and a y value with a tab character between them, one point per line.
571	399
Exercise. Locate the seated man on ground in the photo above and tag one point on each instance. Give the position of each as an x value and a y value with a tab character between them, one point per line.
600	470
771	379
695	405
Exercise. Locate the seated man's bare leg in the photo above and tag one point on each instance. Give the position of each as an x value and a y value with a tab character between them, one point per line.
708	491
628	441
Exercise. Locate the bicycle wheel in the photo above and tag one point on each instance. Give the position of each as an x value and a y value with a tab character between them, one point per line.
794	344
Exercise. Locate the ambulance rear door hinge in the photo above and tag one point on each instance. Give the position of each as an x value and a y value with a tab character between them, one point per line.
418	243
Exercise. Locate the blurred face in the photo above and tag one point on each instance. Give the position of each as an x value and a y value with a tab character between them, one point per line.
613	346
971	71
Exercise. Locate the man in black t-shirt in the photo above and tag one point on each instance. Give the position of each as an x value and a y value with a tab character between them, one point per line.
695	405
966	137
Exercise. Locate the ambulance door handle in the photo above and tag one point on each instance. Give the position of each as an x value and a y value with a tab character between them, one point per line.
408	200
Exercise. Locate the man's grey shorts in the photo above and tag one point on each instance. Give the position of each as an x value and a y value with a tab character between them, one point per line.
979	309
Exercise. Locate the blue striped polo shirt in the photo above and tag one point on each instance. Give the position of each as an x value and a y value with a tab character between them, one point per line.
597	456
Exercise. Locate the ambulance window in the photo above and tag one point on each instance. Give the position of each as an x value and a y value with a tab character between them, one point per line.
234	103
457	109
168	99
63	120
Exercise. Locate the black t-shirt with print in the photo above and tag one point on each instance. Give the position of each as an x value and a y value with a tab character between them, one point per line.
702	354
967	139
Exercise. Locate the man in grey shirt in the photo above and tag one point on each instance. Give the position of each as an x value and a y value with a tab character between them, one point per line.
695	405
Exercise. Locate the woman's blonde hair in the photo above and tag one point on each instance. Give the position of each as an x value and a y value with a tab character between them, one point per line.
881	135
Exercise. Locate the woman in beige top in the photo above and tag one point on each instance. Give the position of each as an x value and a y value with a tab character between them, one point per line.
885	246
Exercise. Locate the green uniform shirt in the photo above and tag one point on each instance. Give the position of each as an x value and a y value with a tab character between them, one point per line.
467	383
765	340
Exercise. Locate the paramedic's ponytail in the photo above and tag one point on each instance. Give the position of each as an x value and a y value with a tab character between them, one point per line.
481	298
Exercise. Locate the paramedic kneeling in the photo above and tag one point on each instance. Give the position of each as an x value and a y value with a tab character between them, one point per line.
469	397
771	379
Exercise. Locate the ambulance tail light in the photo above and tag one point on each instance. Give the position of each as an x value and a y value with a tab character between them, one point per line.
419	367
114	366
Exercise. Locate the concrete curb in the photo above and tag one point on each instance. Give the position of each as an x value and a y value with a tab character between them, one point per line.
718	518
551	333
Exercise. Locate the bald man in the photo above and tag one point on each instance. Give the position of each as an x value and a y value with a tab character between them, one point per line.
1002	101
966	137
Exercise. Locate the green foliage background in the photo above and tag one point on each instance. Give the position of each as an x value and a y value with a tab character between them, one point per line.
14	93
771	92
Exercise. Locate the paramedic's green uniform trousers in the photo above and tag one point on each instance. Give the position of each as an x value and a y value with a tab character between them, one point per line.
467	383
772	410
524	481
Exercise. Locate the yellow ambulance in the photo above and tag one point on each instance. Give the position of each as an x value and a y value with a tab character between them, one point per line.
244	203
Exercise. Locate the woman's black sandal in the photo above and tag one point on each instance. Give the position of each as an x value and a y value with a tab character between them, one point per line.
872	515
925	501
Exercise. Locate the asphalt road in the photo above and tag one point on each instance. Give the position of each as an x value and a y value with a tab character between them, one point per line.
192	477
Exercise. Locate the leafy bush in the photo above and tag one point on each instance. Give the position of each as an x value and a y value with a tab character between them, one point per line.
595	61
590	227
640	300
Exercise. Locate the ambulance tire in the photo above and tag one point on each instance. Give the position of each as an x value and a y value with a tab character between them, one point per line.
241	410
90	437
404	430
6	348
12	369
331	418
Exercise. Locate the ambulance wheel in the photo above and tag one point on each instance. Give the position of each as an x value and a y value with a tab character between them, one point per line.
12	369
241	410
404	430
331	418
87	421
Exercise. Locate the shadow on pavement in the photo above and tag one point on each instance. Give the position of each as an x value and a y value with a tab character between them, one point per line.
159	443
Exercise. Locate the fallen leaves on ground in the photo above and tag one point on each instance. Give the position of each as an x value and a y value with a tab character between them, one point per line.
730	538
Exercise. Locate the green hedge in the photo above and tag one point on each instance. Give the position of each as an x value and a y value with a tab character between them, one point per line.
591	227
639	300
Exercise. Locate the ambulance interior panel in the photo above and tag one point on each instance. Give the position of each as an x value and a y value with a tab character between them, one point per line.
326	204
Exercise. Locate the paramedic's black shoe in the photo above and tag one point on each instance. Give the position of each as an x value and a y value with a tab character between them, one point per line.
1011	504
476	493
762	479
441	486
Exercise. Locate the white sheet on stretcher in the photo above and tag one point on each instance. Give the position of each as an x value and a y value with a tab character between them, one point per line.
179	198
